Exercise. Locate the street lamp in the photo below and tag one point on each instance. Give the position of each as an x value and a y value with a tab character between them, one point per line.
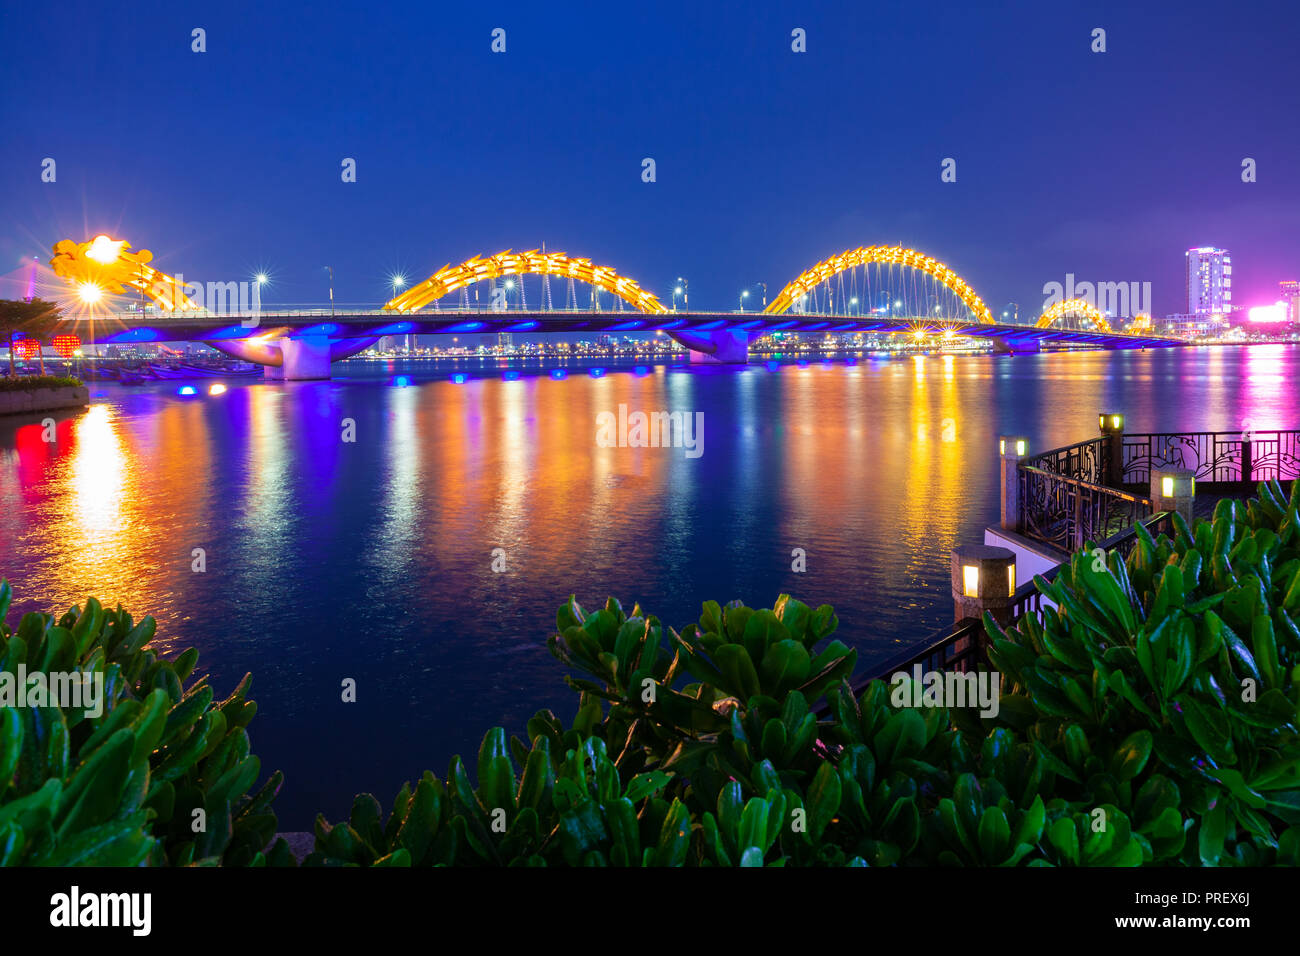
259	280
399	282
743	296
764	285
853	304
686	293
331	271
676	292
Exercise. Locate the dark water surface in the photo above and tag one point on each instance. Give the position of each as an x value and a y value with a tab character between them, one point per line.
372	560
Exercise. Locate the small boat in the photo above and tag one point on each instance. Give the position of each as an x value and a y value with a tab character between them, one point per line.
184	370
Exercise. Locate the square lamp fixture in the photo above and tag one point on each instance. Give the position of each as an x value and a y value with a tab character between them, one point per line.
1167	486
1115	422
1021	446
970	580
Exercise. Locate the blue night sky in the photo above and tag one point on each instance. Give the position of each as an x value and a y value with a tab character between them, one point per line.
1105	165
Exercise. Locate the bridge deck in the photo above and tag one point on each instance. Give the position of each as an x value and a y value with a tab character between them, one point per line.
130	327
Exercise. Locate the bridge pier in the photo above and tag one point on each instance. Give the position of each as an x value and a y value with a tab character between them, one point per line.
719	347
287	359
305	359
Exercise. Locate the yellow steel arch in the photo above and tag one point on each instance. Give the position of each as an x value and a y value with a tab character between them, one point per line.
104	265
1073	307
891	255
450	278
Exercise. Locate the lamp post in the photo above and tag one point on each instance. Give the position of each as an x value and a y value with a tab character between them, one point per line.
983	579
764	285
1174	489
399	282
1011	448
331	271
677	290
686	293
743	296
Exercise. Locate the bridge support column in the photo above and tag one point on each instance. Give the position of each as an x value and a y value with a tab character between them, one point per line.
305	359
719	347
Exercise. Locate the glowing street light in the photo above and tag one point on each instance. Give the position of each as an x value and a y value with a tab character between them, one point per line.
259	280
89	293
743	296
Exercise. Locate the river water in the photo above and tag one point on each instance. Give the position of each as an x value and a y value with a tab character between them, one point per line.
373	559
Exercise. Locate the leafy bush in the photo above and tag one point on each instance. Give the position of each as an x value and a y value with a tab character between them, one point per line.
1148	717
123	788
1167	684
1127	734
25	383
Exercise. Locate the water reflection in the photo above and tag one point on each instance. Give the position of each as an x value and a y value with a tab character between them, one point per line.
372	558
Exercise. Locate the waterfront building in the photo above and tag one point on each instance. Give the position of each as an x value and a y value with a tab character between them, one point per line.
1193	323
1291	296
1209	281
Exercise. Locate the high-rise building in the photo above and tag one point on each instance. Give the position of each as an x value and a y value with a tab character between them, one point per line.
1291	296
1209	281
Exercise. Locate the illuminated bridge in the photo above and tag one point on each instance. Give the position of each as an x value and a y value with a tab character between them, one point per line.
879	289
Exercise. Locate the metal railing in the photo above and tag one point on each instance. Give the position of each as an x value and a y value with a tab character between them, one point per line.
1029	600
963	646
343	310
1246	456
1085	460
1065	512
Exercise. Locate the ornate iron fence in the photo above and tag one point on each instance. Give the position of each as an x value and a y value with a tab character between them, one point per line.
1065	512
1085	460
962	646
1029	600
1249	456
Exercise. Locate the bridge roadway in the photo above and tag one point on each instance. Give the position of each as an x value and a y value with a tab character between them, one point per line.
689	327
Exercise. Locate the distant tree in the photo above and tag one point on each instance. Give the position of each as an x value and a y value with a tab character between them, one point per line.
35	317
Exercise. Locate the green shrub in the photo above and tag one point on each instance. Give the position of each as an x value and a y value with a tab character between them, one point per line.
25	383
1149	718
1127	734
1166	684
121	789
